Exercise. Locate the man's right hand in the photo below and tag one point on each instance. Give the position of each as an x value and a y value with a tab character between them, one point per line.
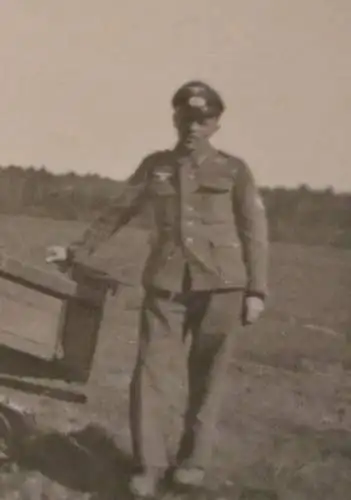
57	255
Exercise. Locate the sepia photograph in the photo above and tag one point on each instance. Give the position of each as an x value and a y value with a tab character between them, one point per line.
175	261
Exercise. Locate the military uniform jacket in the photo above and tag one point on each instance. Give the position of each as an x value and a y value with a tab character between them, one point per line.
207	213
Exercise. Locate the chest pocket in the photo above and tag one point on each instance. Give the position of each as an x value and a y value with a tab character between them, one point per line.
215	199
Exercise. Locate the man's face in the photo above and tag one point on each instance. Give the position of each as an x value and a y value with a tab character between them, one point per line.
192	131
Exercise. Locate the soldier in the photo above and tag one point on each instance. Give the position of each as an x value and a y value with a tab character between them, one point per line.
206	276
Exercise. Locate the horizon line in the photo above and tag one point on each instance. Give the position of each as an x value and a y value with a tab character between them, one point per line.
301	185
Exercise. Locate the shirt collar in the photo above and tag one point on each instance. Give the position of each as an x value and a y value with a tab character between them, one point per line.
199	155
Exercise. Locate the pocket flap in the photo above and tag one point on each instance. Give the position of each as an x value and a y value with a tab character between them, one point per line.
214	185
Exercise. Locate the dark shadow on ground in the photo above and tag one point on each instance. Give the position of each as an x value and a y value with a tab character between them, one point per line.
87	460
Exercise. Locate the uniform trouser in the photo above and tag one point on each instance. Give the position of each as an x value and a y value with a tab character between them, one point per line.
184	350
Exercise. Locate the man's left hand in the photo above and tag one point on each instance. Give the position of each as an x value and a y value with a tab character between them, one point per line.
254	307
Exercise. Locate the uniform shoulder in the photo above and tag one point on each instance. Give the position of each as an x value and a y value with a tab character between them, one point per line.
152	157
156	158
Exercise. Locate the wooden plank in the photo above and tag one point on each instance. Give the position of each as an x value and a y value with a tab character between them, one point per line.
30	320
50	283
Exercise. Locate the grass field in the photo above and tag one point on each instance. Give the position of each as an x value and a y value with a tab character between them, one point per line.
287	416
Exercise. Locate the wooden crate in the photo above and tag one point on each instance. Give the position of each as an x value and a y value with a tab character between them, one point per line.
50	315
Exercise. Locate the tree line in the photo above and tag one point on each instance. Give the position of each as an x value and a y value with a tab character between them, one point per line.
296	215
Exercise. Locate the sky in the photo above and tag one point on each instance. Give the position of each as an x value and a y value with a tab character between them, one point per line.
86	85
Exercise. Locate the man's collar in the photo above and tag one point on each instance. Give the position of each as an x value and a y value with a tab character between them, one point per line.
199	155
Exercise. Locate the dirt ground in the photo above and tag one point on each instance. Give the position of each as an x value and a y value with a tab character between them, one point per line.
285	431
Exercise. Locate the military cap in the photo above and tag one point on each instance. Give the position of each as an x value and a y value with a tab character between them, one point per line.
199	99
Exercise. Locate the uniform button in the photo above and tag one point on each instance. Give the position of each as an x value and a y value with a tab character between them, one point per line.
189	240
190	208
190	222
191	176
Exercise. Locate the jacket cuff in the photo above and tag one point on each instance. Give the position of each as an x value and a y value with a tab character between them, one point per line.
253	293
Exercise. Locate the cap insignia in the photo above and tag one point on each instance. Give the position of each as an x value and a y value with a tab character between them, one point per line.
197	102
